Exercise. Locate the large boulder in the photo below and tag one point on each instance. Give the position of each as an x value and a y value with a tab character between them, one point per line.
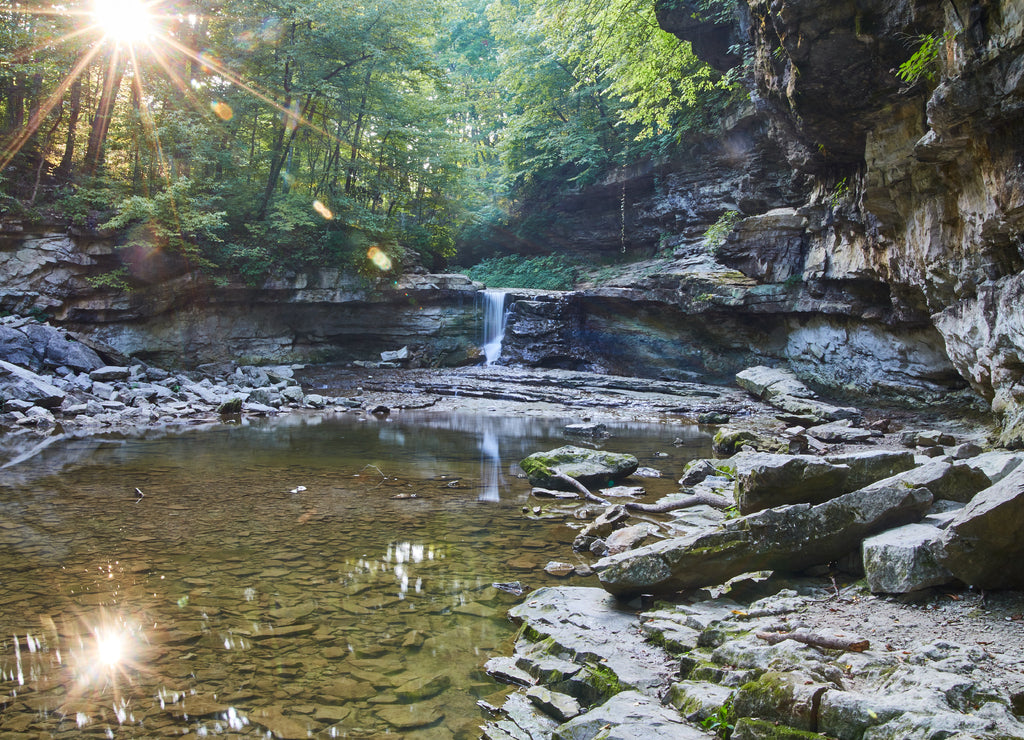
592	468
21	384
764	480
788	538
872	465
57	349
983	545
905	559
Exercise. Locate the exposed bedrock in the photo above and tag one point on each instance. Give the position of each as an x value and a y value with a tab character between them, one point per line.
173	316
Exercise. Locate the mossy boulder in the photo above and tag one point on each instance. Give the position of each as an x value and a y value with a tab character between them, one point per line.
758	729
592	468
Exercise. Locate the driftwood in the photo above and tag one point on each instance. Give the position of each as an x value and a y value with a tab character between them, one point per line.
816	639
696	499
581	488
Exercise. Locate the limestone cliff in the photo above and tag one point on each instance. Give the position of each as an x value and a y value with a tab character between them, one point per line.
882	238
179	317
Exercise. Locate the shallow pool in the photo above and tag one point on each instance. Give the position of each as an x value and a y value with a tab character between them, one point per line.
305	577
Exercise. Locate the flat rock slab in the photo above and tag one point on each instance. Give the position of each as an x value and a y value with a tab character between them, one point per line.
629	716
592	626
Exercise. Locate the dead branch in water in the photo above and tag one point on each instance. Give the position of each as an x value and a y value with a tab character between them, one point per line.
696	499
581	488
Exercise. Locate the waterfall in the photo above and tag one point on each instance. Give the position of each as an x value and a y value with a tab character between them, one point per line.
494	323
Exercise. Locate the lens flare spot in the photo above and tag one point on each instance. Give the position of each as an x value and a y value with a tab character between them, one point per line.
222	110
110	648
323	210
377	257
124	21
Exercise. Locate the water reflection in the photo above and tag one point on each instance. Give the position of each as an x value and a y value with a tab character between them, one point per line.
490	467
311	575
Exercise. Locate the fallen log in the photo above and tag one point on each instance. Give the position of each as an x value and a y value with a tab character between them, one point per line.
580	487
696	499
816	639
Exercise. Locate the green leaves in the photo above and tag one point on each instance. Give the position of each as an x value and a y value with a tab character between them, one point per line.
924	63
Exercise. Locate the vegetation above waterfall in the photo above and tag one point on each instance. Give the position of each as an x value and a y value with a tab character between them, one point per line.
247	138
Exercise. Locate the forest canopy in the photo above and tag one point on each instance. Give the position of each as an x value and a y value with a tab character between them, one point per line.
249	137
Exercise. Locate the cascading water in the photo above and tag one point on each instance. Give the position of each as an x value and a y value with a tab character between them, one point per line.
495	316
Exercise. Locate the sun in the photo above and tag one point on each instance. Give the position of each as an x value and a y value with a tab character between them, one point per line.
124	21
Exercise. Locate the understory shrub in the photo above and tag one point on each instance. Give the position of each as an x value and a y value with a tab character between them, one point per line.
551	272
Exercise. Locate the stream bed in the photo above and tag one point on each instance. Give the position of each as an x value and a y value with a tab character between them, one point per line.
307	576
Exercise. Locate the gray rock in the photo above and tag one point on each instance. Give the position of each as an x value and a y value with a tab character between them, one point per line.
696	471
965	451
784	391
764	480
985	536
504	669
266	396
612	518
952	481
790	698
842	431
629	716
991	721
997	465
109	372
627	538
698	700
592	468
18	349
56	348
904	559
315	401
293	394
559	706
397	355
767	382
787	538
870	466
522	721
670	631
934	438
17	382
610	637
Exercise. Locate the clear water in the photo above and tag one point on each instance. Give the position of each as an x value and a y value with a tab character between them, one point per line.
304	577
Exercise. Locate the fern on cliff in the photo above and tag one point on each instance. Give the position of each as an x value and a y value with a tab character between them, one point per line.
924	63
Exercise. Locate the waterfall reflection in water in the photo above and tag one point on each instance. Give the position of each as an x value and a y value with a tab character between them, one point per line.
296	576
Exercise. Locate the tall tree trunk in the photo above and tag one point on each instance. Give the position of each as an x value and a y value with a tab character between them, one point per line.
74	111
357	135
104	110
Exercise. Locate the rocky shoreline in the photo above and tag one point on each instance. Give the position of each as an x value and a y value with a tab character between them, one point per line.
722	654
829	595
